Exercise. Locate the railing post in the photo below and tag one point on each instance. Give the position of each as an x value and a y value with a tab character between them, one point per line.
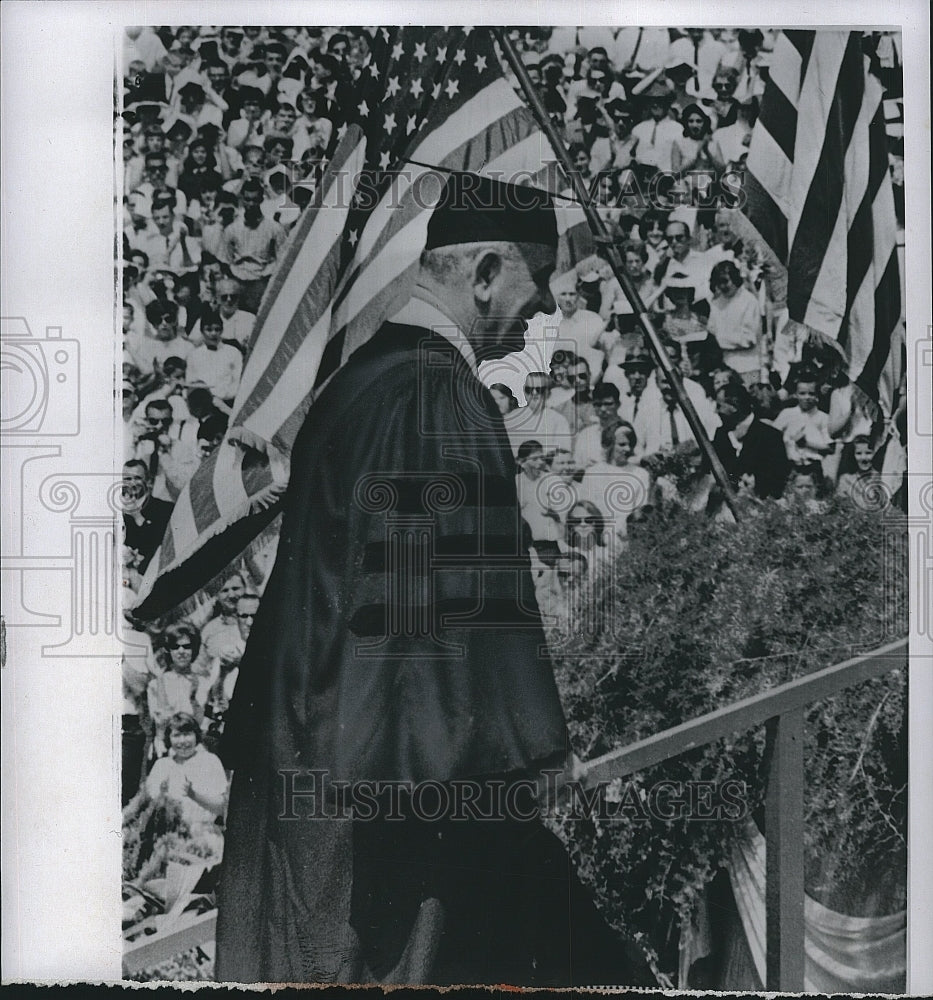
784	885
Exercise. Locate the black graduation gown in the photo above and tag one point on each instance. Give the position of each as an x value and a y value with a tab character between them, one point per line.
437	670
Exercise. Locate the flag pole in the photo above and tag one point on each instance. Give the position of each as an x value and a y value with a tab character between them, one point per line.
601	234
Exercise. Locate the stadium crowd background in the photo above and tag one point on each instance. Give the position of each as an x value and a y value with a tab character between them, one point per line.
225	134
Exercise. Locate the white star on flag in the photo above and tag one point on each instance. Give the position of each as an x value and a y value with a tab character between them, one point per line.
363	109
384	160
392	87
373	70
417	87
398	50
480	64
421	51
442	54
412	124
452	88
390	122
460	57
436	91
353	237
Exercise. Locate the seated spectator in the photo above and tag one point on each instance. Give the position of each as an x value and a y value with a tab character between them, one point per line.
615	485
189	775
683	323
651	229
682	259
587	533
807	486
578	410
690	152
581	328
532	466
862	485
200	170
588	448
178	687
660	424
144	517
735	321
559	368
631	377
805	427
747	446
160	340
218	365
656	134
537	420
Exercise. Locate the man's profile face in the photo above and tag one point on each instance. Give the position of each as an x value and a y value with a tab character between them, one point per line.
728	412
519	291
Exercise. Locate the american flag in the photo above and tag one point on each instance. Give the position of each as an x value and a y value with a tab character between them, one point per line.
436	96
819	193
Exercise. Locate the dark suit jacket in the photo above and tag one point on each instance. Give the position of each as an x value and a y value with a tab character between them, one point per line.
763	456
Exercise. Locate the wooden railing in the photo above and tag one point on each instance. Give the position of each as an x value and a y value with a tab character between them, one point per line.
782	711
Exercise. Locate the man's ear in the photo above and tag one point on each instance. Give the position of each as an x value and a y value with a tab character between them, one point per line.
486	269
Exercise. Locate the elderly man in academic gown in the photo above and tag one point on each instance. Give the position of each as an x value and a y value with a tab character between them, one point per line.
398	640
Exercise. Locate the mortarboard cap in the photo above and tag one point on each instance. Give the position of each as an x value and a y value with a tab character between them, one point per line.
475	209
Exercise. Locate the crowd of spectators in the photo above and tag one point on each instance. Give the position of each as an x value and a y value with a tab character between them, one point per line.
225	134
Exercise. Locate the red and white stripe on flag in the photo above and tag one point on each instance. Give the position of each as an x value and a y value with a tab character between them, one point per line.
436	96
819	193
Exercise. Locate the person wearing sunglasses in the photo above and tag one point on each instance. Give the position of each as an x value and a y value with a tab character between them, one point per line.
176	689
537	420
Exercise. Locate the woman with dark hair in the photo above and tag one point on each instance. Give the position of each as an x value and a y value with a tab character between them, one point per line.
199	170
504	397
617	487
735	321
176	688
690	151
189	775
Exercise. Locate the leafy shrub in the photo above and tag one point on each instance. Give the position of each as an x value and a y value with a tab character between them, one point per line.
699	613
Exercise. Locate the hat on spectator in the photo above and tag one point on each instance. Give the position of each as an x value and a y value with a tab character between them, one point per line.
191	89
179	131
250	95
617	106
531	60
256	82
680	54
653	88
639	358
207	50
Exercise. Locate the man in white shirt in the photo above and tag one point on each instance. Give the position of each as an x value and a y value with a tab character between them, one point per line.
657	133
218	365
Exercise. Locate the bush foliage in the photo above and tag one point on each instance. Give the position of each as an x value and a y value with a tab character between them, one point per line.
699	613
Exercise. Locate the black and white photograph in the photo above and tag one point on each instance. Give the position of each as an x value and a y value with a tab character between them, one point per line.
512	566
